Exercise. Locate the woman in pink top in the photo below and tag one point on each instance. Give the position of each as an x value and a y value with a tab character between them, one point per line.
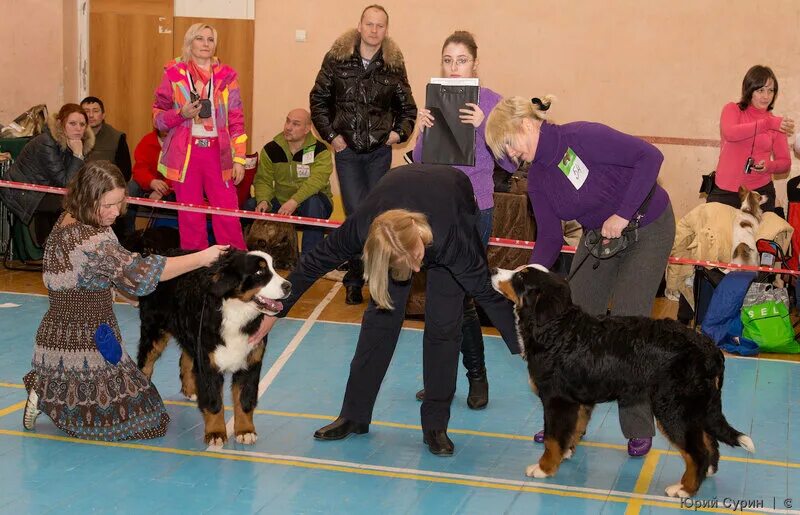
748	129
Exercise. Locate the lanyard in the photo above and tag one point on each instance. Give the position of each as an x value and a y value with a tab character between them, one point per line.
194	88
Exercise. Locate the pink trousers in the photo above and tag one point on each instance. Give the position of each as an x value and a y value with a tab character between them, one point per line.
204	181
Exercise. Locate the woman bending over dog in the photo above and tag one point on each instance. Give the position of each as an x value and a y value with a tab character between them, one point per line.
417	216
606	180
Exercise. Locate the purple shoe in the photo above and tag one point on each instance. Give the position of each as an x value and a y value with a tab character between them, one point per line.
539	437
639	446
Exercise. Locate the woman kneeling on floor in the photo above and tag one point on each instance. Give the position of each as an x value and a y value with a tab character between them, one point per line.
81	376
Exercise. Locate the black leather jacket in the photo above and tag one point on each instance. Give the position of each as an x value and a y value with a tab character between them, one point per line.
362	105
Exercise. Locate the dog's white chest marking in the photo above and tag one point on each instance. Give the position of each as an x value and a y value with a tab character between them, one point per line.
232	356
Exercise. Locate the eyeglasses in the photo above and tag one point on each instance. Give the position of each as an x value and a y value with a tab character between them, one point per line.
765	91
461	61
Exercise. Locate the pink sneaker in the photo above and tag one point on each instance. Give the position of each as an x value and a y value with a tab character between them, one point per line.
638	447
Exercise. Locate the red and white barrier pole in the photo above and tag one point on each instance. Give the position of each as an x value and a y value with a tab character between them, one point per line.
319	222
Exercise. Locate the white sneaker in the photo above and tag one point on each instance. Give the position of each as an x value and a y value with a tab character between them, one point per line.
31	411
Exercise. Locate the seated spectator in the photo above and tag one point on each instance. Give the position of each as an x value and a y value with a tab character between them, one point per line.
146	180
293	176
109	143
49	159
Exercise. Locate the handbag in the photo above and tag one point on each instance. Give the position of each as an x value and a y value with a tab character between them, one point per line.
708	183
759	293
768	325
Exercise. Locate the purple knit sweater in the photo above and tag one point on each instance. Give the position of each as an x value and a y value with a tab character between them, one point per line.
479	175
622	171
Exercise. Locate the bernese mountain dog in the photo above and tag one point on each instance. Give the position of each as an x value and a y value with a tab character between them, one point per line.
211	312
576	360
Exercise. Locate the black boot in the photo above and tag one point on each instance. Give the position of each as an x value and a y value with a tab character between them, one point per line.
478	396
438	442
473	357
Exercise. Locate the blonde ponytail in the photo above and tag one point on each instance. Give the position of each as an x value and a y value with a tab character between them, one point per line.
504	124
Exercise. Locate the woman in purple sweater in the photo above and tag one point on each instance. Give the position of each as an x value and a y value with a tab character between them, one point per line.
460	59
603	179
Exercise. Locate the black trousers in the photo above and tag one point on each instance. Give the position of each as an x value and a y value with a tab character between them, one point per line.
441	342
731	198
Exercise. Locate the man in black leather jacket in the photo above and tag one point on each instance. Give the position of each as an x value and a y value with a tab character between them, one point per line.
362	104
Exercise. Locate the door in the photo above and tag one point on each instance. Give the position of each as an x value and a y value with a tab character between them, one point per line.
129	43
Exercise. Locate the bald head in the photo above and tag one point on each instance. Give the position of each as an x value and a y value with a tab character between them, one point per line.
298	124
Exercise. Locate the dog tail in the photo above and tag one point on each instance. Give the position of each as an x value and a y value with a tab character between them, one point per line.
716	424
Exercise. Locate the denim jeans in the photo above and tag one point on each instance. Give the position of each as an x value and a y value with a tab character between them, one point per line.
358	174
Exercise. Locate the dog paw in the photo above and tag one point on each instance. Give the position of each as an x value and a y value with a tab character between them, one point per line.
247	438
746	443
535	471
192	397
711	471
677	491
568	453
216	439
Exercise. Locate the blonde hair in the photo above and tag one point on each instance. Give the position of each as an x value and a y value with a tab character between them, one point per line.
191	33
392	236
504	124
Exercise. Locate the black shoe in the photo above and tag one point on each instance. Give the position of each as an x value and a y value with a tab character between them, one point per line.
478	396
340	428
438	442
353	296
421	395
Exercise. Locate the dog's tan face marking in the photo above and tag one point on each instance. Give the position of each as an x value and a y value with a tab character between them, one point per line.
507	291
745	224
501	282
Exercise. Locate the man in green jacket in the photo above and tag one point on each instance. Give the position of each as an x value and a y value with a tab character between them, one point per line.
293	176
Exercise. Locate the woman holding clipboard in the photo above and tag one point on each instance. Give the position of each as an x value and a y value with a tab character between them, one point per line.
460	60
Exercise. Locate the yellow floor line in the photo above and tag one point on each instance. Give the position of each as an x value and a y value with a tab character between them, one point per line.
12	385
643	482
357	470
455	431
11	409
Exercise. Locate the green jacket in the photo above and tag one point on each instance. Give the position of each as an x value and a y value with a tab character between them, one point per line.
277	175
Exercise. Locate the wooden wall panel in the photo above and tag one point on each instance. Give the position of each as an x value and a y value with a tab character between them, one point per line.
129	43
235	48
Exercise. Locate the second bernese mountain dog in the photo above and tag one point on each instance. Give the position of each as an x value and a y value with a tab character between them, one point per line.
211	312
576	361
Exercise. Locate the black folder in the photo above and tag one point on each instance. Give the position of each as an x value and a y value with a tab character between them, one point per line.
449	141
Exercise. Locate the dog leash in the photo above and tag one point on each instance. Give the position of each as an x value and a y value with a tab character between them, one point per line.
633	226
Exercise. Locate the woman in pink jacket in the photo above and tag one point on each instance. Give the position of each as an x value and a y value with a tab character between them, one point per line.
199	107
753	145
